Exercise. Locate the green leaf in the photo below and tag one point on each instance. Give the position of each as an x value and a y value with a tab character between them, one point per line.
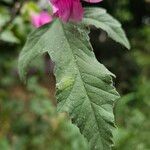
84	86
47	130
101	19
8	36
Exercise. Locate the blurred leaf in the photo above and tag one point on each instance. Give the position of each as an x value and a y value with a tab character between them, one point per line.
28	9
4	16
4	145
41	107
31	129
7	1
8	36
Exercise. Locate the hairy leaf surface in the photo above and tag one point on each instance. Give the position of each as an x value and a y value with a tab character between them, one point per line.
101	19
84	86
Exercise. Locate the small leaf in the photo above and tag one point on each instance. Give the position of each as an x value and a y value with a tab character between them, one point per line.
101	19
8	36
84	86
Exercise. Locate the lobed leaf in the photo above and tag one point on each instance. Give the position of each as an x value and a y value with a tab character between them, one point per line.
84	86
101	19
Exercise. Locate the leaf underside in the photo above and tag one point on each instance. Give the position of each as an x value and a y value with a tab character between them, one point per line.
84	86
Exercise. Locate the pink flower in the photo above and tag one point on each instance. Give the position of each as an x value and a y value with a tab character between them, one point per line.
69	9
41	19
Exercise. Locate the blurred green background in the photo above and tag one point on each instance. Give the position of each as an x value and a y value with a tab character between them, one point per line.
27	112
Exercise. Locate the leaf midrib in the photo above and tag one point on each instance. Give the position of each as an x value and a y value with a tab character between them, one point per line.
111	27
82	84
98	22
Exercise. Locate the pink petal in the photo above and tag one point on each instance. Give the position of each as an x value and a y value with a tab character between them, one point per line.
77	11
69	9
41	19
35	20
93	1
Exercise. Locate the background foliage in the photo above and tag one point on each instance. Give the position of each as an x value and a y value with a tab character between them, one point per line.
25	112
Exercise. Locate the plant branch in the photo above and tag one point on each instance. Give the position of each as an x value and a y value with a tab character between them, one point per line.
14	12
